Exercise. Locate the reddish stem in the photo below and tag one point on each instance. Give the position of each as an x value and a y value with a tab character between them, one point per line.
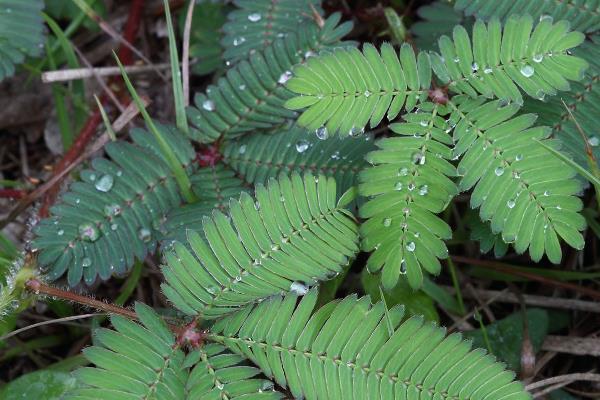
38	287
89	129
12	193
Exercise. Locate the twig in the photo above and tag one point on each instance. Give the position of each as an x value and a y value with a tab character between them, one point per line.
534	300
564	378
477	309
513	271
84	73
38	287
572	345
185	57
49	322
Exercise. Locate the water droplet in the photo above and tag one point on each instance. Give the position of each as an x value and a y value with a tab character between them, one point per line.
418	158
92	177
423	190
114	227
403	172
283	78
309	53
403	267
302	146
538	58
242	87
456	59
255	17
89	232
220	385
527	71
119	173
510	203
499	171
411	246
424	123
516	174
144	235
474	67
86	262
387	222
398	186
112	210
546	17
354	131
487	71
208	105
238	278
242	149
238	41
518	157
546	193
60	232
594	141
411	187
322	133
298	288
336	155
105	183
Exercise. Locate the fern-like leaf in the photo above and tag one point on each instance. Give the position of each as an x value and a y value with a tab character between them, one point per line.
482	233
409	183
582	100
220	374
258	23
350	349
214	186
527	195
133	362
252	95
110	217
295	234
257	158
583	15
346	89
22	33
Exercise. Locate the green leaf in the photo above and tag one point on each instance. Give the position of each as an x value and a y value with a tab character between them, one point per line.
39	385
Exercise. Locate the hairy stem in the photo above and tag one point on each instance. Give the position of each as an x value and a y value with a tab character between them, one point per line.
37	287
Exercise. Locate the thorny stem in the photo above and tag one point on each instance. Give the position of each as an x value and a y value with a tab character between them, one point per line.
38	287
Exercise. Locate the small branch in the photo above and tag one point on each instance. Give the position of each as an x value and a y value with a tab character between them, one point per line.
185	57
49	322
507	269
37	287
564	378
572	345
84	73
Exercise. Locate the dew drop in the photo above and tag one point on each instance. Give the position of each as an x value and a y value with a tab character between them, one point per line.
242	149
499	171
114	227
298	288
594	141
424	123
403	172
336	155
302	146
510	203
411	246
518	157
283	78
309	53
105	183
546	17
220	385
144	235
119	173
398	186
527	71
242	87
487	71
367	93
456	59
403	267
538	58
411	187
60	232
387	222
111	210
86	262
92	177
89	232
546	193
255	17
423	190
238	41
322	133
354	131
474	67
418	158
208	105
